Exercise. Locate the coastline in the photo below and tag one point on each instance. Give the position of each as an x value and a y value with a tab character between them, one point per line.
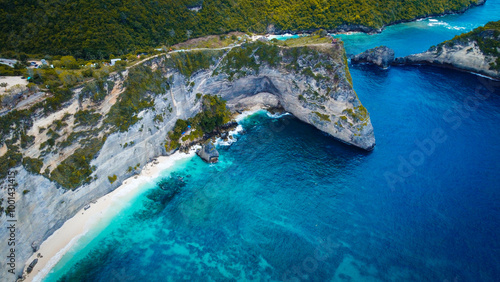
101	211
105	208
446	66
353	28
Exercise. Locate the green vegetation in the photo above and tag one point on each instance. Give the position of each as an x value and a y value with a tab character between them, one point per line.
141	84
303	40
213	115
248	59
76	170
122	27
96	89
487	38
112	178
86	118
32	165
358	114
211	41
14	125
26	140
174	135
190	62
11	159
323	117
347	72
158	118
8	71
53	103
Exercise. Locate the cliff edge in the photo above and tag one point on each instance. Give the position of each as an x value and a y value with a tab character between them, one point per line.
477	51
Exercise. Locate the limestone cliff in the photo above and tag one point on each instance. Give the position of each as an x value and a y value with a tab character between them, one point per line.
381	56
93	140
477	51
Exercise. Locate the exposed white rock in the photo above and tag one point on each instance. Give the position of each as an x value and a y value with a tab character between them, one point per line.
466	57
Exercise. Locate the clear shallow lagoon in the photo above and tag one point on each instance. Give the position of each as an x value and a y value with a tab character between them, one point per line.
288	202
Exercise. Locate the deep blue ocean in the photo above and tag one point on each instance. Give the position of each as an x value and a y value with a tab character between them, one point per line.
287	202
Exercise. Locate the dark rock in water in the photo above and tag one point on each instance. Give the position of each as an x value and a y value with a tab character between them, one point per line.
32	265
208	153
381	56
171	187
400	61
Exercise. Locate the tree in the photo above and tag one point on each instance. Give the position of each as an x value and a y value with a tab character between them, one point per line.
68	78
69	62
4	84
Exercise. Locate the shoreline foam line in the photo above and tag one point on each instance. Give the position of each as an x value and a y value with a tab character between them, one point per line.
61	241
105	208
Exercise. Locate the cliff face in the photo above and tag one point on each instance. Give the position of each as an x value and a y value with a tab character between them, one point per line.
311	82
477	51
381	56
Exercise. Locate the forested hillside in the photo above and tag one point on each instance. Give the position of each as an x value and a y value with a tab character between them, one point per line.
97	28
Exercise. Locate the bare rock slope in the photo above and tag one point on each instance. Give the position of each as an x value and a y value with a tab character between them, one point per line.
381	56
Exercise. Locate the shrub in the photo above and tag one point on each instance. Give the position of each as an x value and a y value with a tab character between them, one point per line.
213	115
76	170
323	117
141	83
87	118
9	160
32	165
112	178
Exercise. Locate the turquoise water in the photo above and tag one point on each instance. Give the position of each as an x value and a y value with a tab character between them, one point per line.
285	36
287	202
415	37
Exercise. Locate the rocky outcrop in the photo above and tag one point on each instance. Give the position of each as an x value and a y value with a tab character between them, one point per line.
315	87
32	265
381	56
467	58
208	153
311	82
476	52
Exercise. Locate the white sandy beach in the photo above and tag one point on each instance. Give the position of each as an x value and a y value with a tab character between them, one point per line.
99	212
